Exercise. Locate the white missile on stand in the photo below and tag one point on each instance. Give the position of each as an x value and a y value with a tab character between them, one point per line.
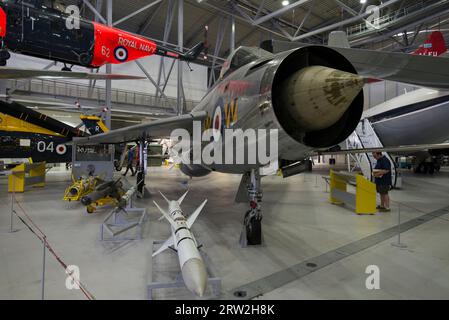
182	240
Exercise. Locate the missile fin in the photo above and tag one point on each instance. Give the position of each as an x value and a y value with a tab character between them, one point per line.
168	243
163	196
166	215
191	219
180	200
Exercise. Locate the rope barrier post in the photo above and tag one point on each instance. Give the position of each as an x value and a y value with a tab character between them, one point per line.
46	245
13	199
12	209
399	244
44	242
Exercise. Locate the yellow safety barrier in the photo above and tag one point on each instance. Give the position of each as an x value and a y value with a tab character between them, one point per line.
25	175
364	199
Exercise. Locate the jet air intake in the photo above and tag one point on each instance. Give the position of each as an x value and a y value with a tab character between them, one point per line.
317	96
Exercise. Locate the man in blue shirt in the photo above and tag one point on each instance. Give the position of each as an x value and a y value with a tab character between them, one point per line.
130	163
382	174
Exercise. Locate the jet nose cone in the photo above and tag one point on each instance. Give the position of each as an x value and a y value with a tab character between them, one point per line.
317	96
195	276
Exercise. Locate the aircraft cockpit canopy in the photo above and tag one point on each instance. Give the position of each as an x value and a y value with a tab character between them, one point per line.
242	56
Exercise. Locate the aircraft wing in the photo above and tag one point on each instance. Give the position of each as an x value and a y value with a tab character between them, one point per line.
417	70
408	148
59	105
157	128
17	73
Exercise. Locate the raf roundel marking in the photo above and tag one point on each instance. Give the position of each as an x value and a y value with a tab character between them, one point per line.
121	54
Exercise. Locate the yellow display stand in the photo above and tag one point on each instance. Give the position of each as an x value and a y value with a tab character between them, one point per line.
26	175
364	199
80	188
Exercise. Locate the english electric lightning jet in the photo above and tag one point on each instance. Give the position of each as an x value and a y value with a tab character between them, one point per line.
311	95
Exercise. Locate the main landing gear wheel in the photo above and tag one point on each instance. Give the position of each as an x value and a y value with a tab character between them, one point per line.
4	54
85	59
252	223
67	68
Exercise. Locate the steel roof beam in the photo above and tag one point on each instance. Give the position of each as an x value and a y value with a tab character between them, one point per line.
97	14
147	22
303	21
199	30
393	32
259	10
280	12
342	23
244	19
136	12
353	12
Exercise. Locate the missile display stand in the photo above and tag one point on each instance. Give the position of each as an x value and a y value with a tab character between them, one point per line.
120	222
92	160
177	282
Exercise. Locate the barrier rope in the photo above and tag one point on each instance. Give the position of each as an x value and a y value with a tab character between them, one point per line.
43	238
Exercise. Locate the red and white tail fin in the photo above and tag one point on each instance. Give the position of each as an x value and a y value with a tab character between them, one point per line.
434	45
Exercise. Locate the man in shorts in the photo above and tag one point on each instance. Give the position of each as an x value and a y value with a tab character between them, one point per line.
382	174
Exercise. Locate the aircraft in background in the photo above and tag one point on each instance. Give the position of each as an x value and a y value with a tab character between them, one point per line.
417	117
26	133
435	45
39	28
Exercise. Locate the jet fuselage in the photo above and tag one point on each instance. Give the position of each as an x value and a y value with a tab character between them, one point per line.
253	96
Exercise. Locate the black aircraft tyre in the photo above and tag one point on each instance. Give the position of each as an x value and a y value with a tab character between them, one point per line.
117	166
254	230
85	59
309	165
4	55
431	168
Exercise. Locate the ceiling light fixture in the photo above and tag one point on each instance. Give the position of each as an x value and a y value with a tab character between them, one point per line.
285	3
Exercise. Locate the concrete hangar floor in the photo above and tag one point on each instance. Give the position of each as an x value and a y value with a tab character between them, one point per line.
313	250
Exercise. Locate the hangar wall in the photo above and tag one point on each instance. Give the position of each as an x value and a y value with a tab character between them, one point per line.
380	92
195	82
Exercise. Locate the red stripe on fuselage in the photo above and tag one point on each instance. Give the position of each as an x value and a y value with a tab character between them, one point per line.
108	39
2	23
